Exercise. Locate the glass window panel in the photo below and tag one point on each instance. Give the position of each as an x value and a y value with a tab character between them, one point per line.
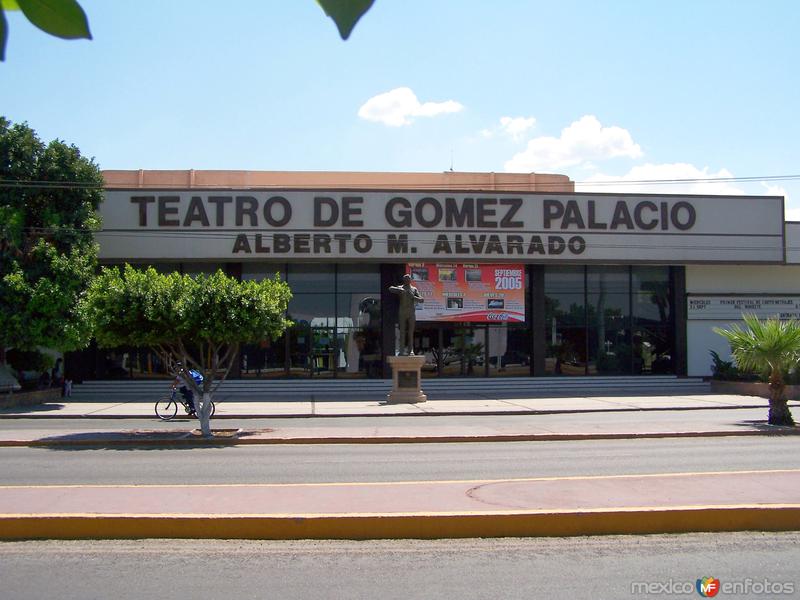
359	309
651	295
426	343
652	321
611	280
127	362
517	359
470	343
300	353
463	352
261	270
318	310
645	278
311	278
359	278
565	321
359	352
509	350
201	268
608	312
326	355
652	351
652	309
264	360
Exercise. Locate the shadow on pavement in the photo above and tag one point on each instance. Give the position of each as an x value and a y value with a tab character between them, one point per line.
762	425
144	440
35	408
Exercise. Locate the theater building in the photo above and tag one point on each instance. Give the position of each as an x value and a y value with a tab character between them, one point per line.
521	275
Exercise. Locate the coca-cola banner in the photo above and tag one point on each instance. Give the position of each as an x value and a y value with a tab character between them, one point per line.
475	293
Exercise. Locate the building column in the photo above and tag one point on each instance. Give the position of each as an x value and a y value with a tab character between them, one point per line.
678	289
538	325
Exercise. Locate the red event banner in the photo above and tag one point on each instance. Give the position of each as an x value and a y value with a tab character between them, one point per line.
470	293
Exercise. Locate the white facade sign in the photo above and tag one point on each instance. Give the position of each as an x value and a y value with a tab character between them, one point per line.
401	226
731	308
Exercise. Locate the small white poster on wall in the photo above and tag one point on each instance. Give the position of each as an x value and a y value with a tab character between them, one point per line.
731	308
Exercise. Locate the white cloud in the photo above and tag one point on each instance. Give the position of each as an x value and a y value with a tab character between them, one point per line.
512	126
773	190
398	107
516	126
654	179
790	214
584	140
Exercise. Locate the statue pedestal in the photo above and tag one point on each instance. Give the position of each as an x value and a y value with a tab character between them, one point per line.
406	371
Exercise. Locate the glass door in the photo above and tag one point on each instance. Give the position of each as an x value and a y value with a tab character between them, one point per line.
300	350
426	343
324	356
468	351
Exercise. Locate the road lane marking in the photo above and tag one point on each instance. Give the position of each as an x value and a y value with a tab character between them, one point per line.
388	483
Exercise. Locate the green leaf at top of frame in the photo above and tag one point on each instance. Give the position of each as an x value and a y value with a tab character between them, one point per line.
345	13
61	18
3	34
9	5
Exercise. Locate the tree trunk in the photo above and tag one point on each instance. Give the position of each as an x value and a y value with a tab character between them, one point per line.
779	413
204	414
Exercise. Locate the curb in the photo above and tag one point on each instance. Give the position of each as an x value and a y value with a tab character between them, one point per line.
613	521
185	441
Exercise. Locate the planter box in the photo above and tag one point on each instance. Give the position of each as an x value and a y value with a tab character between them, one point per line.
750	388
30	398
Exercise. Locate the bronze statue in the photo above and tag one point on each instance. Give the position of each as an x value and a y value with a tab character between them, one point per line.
409	298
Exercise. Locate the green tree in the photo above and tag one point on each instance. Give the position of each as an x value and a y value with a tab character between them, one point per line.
66	19
769	345
61	18
49	195
345	13
200	321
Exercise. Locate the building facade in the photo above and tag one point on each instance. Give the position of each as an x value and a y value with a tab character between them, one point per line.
521	275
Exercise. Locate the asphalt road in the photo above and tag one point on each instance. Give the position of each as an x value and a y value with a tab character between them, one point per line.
575	568
393	462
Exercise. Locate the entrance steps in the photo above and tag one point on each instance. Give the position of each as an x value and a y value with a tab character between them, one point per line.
242	390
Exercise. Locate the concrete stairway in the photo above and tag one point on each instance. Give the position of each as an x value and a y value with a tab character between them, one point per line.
240	390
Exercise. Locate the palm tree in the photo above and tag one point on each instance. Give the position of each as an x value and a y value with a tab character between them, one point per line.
772	345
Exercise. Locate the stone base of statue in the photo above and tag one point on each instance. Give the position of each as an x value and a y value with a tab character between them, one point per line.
406	371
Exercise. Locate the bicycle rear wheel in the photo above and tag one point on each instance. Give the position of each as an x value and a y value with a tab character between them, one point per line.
166	408
213	410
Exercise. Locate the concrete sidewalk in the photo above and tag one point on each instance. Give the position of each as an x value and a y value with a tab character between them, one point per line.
550	506
368	406
552	427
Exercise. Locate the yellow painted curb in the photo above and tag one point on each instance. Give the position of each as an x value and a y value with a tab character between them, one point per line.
396	526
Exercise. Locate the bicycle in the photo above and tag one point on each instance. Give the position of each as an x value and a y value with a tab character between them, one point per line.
167	407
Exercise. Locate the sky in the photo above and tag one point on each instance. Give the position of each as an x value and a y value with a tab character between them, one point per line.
612	93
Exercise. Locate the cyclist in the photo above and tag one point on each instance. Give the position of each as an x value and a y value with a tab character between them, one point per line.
182	379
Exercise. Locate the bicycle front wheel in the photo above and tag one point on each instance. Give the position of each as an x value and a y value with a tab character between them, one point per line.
166	408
